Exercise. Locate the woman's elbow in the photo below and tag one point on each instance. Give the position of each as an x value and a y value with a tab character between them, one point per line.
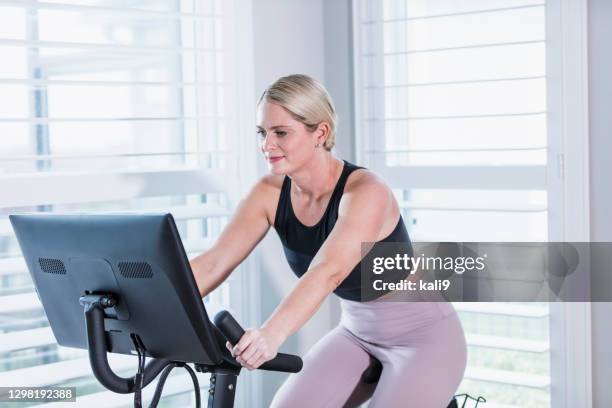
334	278
326	275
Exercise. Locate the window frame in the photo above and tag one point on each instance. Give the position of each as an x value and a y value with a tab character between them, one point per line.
567	63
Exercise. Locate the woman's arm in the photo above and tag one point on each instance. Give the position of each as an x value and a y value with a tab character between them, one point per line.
247	227
360	219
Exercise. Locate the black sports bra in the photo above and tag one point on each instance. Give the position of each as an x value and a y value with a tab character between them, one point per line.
301	242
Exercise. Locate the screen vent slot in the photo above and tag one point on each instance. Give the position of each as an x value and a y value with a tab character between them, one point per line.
136	270
54	266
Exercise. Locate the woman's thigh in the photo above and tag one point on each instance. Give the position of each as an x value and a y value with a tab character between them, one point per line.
331	376
424	372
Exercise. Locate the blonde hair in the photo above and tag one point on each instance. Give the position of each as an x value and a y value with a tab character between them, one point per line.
306	100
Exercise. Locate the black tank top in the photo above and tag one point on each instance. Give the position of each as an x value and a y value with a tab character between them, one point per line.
301	242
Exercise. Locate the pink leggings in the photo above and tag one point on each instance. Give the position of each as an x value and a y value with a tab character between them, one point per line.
421	346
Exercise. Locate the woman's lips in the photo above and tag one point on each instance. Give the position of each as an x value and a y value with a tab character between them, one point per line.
274	159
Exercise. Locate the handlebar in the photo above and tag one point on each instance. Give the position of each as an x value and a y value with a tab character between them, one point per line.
232	331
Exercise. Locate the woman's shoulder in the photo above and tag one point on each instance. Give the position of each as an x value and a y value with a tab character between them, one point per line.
365	181
363	185
267	192
366	191
267	189
259	199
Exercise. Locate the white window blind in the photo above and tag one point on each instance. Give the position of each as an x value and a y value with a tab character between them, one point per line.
113	106
451	109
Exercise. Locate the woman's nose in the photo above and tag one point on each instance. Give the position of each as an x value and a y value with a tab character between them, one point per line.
267	143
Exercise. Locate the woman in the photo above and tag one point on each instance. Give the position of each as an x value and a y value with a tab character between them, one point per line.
323	208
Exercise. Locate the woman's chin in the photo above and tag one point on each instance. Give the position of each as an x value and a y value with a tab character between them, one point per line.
276	170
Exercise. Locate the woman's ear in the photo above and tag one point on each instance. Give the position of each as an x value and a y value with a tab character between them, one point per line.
322	131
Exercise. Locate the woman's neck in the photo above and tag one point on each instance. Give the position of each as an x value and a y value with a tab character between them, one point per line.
317	178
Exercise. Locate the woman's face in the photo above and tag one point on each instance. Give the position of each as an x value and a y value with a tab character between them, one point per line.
286	143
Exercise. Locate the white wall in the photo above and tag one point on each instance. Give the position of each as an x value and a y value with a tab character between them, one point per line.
600	105
337	18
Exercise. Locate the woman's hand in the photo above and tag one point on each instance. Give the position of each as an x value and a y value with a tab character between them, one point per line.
255	347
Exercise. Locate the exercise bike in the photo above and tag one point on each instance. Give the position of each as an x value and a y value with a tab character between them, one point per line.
123	284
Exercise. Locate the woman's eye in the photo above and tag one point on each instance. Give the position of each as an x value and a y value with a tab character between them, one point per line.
279	133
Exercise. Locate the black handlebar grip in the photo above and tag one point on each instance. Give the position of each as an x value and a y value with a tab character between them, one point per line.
232	331
286	363
229	326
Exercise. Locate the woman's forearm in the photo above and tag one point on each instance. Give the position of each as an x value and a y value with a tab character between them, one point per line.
302	303
207	273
